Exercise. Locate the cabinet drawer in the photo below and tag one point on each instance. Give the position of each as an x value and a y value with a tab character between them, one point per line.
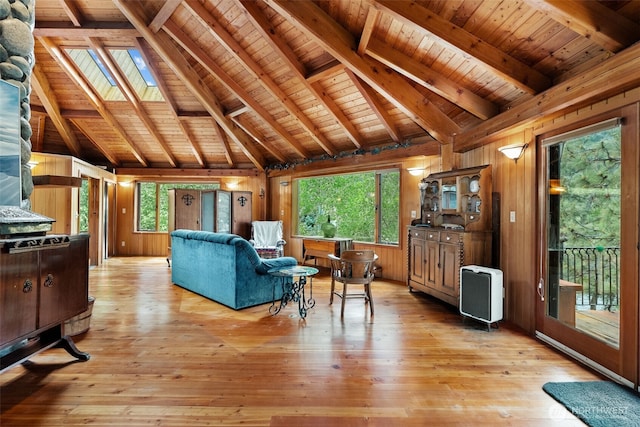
449	237
419	234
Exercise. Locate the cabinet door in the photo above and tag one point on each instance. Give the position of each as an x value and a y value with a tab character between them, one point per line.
18	295
432	264
223	211
241	212
64	277
417	261
450	264
187	209
208	211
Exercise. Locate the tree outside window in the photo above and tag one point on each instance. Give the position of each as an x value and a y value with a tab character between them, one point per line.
363	206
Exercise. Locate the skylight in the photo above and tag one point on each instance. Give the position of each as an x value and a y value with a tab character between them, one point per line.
132	66
96	73
137	72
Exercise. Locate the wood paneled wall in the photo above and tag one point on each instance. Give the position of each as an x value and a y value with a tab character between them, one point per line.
130	242
515	182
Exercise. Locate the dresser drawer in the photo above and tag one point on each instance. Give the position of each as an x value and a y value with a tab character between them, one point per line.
450	237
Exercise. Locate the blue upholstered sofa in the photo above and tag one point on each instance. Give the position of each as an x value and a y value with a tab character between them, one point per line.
224	267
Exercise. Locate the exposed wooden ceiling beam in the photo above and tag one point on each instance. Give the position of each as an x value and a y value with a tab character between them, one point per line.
93	98
251	66
612	76
102	146
163	14
367	30
144	50
225	145
432	80
108	30
325	72
40	85
593	20
163	44
72	12
270	34
258	137
509	68
371	97
313	21
214	69
132	98
181	173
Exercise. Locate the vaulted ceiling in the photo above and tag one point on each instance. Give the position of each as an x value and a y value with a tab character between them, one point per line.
270	84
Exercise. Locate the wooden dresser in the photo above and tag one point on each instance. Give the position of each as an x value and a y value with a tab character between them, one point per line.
44	281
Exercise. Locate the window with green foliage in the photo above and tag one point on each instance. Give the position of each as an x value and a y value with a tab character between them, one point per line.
83	206
152	202
363	206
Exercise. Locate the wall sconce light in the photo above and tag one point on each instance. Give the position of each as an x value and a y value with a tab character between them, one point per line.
232	185
284	183
415	171
32	164
124	183
261	193
513	151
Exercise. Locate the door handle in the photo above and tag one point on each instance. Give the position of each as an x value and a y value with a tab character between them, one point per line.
540	289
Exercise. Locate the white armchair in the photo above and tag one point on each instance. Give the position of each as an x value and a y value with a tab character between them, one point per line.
266	238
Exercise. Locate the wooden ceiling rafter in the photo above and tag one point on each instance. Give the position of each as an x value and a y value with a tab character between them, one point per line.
72	12
40	84
106	30
144	50
225	145
215	70
510	69
376	105
242	121
616	74
239	53
93	98
592	20
269	33
101	146
434	81
163	14
132	98
162	43
335	39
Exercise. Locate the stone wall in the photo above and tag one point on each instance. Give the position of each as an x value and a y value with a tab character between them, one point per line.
17	58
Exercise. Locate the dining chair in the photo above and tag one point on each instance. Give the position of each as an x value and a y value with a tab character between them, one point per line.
355	267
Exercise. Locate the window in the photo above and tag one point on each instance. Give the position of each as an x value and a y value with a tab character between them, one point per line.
363	206
152	203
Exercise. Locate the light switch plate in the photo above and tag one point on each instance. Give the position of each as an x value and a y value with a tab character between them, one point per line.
512	216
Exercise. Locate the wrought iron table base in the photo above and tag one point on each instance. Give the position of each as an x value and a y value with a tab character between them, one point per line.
294	292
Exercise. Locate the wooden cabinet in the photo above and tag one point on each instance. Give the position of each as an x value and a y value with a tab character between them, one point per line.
454	230
241	206
44	281
218	211
460	197
184	209
435	258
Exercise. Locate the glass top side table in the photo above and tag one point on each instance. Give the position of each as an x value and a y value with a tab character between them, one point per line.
294	290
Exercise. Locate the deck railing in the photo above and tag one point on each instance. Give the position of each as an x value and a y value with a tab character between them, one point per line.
597	270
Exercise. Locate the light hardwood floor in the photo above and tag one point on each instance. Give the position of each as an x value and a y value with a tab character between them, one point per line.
164	356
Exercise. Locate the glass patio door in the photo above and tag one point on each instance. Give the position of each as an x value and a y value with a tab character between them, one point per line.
580	289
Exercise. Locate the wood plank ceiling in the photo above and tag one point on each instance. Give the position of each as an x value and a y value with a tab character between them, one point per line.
271	84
